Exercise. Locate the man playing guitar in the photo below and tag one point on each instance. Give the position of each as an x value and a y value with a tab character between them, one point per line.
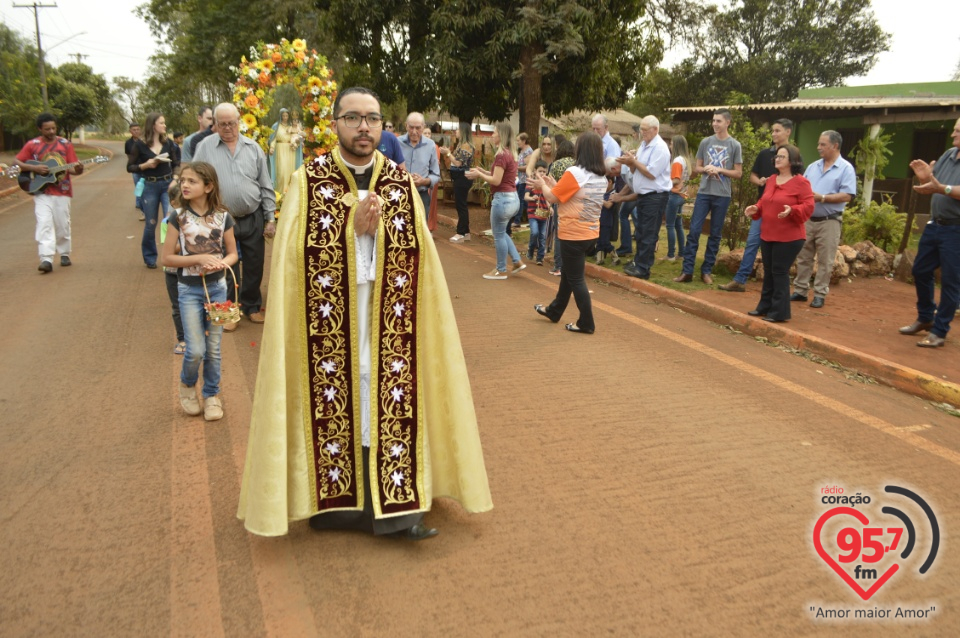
52	204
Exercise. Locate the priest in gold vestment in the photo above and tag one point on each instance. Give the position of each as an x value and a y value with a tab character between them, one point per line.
362	412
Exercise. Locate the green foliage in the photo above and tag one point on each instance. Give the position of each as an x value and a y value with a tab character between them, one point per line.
771	50
78	96
875	152
20	99
879	223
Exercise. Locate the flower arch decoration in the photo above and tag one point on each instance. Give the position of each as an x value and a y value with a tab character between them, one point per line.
271	65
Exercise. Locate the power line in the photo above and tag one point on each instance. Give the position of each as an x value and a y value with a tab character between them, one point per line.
36	18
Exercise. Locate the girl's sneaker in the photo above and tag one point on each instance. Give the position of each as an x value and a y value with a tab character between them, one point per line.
212	409
495	274
517	267
189	401
555	272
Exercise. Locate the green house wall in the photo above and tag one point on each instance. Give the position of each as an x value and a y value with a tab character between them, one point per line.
808	133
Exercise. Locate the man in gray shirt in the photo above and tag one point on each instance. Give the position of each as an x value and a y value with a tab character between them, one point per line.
420	154
719	161
939	246
247	190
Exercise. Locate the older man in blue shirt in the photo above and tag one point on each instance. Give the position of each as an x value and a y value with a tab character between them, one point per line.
601	127
834	183
420	155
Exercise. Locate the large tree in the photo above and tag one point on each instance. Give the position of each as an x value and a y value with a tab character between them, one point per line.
20	99
771	50
485	58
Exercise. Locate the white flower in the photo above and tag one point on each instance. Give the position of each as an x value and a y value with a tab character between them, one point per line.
329	393
334	475
326	220
316	131
256	133
401	280
398	308
399	222
327	192
333	448
396	450
315	90
398	365
325	280
396	193
329	366
397	393
325	309
253	74
253	53
397	478
321	160
243	127
325	111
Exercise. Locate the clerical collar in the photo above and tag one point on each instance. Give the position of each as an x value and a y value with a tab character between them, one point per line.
363	174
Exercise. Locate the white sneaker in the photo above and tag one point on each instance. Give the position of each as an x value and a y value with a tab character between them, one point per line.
517	267
495	274
457	239
466	237
212	409
189	401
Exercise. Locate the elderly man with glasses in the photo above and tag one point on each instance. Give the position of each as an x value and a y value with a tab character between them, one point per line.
420	153
247	191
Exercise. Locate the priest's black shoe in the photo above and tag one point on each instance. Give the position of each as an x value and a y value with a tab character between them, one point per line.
418	532
633	271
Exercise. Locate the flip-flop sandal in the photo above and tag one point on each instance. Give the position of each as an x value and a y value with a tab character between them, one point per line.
572	327
180	348
541	310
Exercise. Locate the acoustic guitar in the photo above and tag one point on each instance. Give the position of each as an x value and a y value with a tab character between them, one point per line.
9	171
31	182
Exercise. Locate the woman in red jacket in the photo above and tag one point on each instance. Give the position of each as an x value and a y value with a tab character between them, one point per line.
785	207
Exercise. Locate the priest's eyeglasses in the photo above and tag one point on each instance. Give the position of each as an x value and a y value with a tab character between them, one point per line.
352	120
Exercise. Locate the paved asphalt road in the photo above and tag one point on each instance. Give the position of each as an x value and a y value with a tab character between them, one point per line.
662	477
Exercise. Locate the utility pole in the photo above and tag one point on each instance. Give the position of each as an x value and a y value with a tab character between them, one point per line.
78	56
43	72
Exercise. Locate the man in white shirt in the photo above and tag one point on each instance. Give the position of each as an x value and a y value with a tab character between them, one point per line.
601	127
651	184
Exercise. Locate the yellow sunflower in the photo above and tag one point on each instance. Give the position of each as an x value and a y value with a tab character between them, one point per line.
314	81
267	65
299	45
250	120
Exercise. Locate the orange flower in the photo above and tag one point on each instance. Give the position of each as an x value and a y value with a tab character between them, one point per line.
314	107
252	101
264	77
300	56
277	56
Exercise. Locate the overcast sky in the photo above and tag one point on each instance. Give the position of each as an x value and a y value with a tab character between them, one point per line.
925	47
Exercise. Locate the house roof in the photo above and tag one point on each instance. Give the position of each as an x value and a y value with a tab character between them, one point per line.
879	109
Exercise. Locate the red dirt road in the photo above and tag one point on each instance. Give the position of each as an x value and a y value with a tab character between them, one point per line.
661	477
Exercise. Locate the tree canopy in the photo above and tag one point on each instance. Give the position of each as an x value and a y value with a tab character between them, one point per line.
769	51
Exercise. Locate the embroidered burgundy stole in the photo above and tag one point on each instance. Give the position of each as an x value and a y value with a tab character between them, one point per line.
333	423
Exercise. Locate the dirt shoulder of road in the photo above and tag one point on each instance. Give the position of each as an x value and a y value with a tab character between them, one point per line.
856	329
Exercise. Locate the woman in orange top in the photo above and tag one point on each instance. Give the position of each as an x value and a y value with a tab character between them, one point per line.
579	194
680	175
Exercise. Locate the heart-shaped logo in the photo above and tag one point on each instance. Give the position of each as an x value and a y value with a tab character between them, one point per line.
854	585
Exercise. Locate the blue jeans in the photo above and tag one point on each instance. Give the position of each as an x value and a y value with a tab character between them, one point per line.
503	207
650	207
749	253
154	194
608	217
675	241
939	248
628	210
717	207
202	337
515	220
425	198
137	202
538	236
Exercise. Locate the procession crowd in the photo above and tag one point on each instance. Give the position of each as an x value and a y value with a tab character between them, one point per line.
214	199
